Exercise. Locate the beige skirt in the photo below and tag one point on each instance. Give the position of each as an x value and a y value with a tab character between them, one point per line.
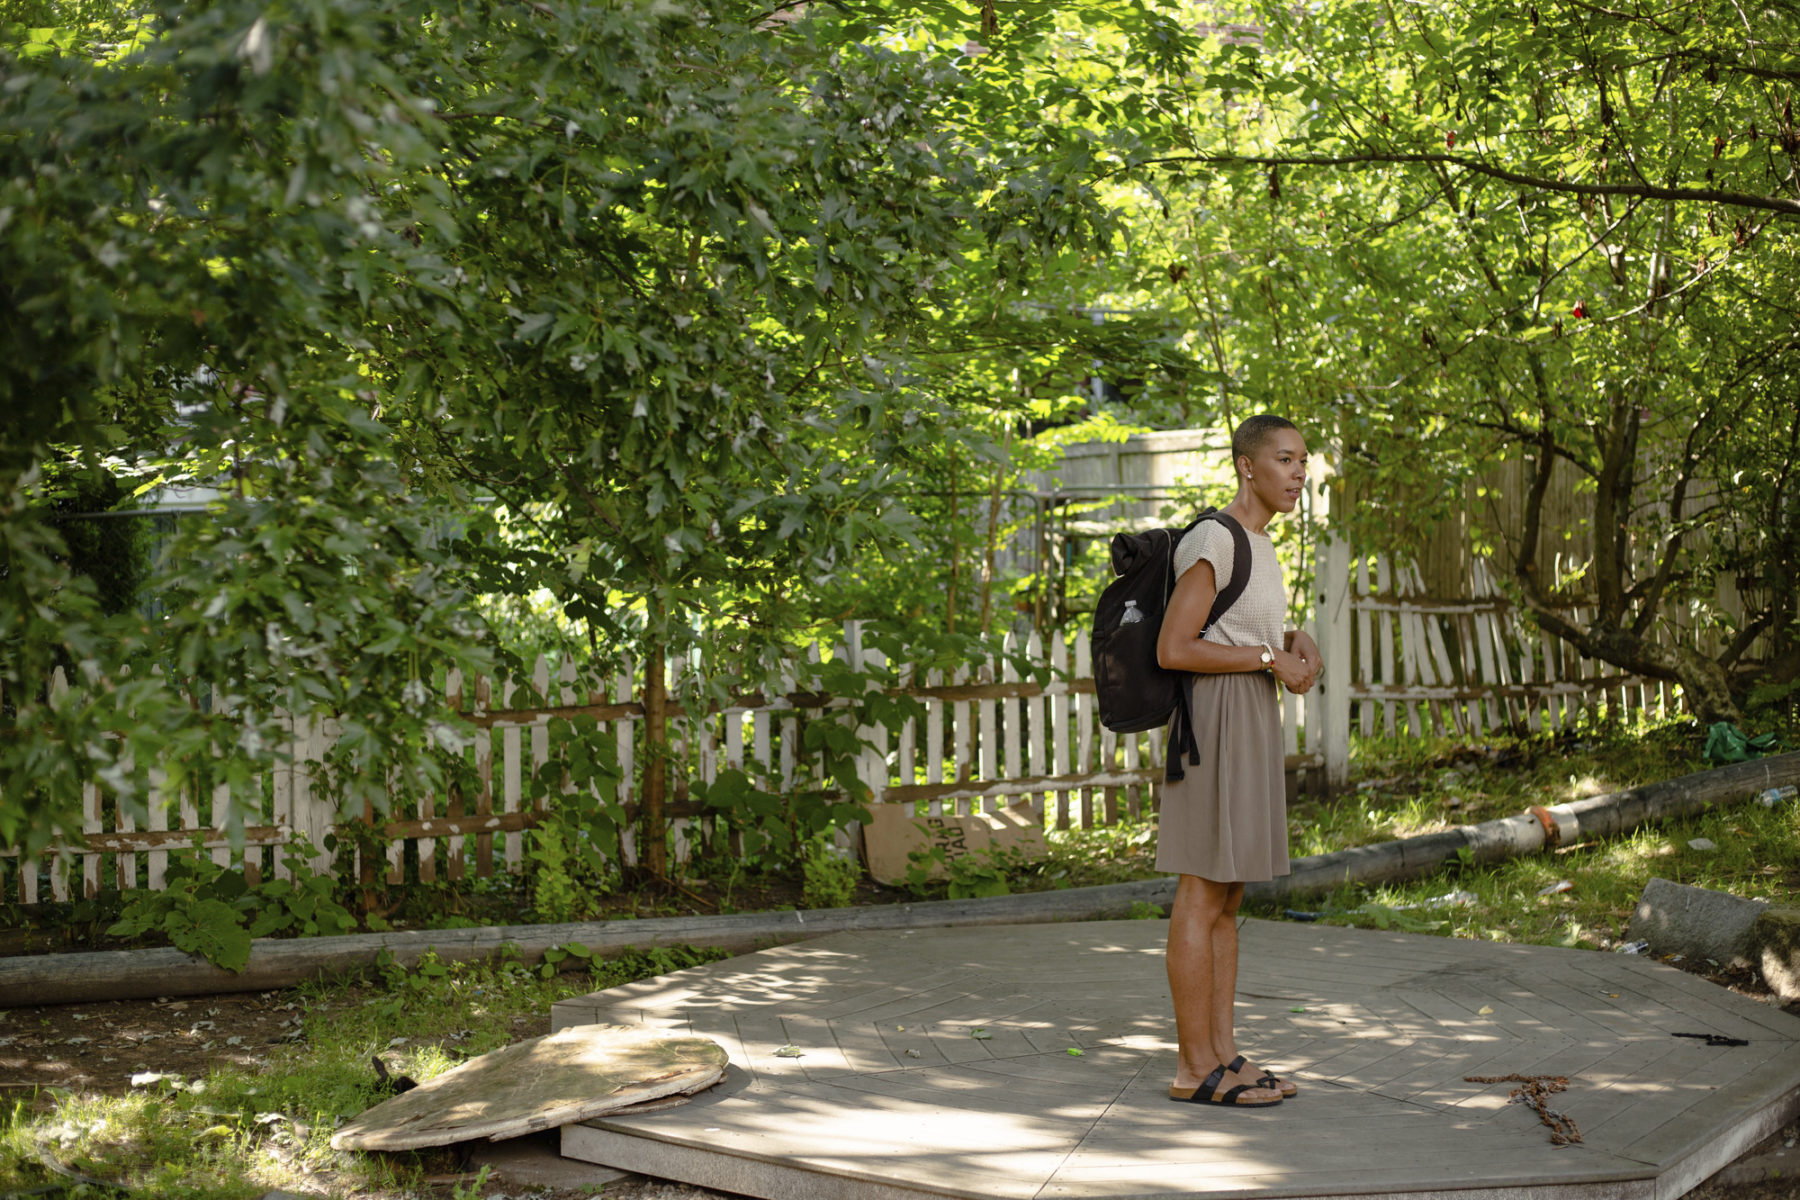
1227	819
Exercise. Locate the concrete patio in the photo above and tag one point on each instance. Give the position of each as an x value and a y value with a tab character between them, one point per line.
937	1062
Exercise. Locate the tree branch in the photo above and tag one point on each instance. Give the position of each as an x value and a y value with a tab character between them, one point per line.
1682	52
1745	636
1524	435
1659	583
1645	191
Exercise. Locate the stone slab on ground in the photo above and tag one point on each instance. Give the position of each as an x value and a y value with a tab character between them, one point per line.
1775	948
539	1083
937	1063
1696	922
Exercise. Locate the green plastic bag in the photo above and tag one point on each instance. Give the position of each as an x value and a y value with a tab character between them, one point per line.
1726	743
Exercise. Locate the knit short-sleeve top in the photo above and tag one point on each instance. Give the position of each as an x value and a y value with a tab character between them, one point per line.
1258	616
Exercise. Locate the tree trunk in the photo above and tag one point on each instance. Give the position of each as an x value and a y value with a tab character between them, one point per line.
1706	687
653	847
1612	636
993	530
955	550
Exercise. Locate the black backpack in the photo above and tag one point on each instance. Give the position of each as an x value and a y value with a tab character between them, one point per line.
1134	692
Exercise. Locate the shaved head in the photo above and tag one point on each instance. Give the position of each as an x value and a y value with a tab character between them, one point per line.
1249	436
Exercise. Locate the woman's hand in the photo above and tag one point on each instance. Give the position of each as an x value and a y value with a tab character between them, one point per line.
1300	644
1295	673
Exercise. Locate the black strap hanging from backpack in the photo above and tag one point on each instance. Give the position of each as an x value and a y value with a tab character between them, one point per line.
1135	692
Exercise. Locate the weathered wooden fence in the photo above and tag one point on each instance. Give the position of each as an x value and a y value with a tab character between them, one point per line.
1462	664
1451	571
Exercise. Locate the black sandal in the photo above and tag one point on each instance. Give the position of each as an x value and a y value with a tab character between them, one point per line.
1266	1080
1208	1093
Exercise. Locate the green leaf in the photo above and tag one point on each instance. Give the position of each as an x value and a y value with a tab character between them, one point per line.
212	930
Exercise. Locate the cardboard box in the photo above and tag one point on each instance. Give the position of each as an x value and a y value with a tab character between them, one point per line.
895	833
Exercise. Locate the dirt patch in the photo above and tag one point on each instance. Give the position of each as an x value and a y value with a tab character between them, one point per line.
1739	977
100	1047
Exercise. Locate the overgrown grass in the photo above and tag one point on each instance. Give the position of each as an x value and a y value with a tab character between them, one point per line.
1407	787
1101	855
1757	855
235	1134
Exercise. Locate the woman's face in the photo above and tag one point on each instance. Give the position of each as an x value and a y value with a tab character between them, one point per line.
1277	475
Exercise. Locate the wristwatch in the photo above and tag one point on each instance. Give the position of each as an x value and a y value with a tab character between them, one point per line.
1268	656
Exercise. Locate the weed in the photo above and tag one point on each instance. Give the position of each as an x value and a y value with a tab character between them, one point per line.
830	876
574	850
1078	857
723	869
1100	854
476	1189
634	964
965	876
209	910
555	899
555	956
982	874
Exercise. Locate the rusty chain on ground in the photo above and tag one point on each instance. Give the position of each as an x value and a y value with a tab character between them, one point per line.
1536	1091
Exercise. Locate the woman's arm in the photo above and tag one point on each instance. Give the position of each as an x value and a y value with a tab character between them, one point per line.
1178	644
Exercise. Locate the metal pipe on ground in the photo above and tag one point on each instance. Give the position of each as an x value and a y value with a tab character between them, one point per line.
275	963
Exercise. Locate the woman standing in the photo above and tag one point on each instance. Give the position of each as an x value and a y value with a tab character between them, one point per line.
1225	823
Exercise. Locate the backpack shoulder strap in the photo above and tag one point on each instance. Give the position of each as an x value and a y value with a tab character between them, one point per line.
1184	741
1240	566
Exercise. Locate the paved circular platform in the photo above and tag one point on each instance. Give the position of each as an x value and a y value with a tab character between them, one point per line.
895	1094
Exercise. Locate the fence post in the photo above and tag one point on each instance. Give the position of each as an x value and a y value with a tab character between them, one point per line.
1334	622
315	813
624	730
871	761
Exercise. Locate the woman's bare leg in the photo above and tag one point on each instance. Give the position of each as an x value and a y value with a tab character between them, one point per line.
1225	960
1199	965
1225	965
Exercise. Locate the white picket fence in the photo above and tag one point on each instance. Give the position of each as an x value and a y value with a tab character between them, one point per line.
985	737
1397	662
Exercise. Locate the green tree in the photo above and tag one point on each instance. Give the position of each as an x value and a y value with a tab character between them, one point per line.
1456	236
179	302
711	295
646	305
